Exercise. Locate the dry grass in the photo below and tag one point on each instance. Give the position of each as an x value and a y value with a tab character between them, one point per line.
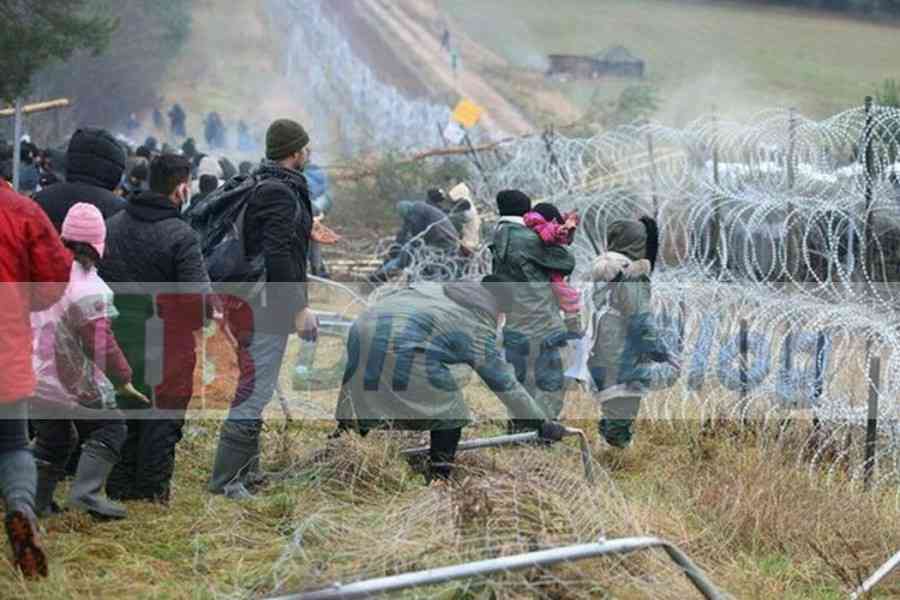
759	526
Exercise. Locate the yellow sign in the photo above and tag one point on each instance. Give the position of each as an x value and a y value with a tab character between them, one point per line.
467	113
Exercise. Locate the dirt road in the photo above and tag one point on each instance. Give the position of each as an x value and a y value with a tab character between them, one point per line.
424	49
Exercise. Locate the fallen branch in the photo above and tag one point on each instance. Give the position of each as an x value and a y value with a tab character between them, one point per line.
35	108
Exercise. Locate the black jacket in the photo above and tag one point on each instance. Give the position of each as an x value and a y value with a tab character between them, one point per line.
148	242
278	225
94	166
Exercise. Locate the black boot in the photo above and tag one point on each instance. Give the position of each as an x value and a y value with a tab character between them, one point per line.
238	448
442	453
97	460
48	477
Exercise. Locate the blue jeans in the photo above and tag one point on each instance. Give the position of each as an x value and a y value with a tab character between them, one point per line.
259	358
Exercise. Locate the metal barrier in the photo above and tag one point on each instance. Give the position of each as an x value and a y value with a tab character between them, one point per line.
515	440
876	577
518	562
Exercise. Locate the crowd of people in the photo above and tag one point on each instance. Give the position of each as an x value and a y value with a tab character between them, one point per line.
115	262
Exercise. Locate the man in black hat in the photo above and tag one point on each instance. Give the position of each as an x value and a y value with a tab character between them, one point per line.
277	225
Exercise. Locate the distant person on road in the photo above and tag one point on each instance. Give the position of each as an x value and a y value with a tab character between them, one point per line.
177	121
214	131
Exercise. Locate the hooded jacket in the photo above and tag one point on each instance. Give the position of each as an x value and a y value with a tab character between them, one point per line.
31	258
626	339
409	358
95	163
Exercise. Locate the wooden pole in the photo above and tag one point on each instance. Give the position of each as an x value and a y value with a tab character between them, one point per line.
872	421
35	108
17	144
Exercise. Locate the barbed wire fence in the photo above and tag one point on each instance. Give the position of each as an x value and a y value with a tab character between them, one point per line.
780	246
786	230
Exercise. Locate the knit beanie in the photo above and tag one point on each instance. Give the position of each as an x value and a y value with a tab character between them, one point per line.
513	203
84	223
284	138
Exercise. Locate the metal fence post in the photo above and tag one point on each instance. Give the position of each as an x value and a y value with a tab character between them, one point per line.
744	350
870	176
872	421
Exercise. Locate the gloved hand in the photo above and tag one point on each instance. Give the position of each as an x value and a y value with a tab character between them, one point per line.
551	431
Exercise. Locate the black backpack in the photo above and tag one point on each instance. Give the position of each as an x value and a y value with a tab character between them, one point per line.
219	220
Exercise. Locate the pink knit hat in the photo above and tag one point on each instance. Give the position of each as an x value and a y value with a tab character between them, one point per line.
84	223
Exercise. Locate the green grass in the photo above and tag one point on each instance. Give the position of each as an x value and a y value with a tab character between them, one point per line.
737	58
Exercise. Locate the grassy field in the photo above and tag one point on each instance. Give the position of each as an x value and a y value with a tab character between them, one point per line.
699	54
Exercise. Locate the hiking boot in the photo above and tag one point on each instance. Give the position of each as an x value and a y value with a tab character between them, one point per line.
97	460
22	531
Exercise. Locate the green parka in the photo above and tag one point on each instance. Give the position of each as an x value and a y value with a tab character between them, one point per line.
411	355
534	331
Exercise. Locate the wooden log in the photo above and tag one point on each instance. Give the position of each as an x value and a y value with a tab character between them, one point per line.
36	108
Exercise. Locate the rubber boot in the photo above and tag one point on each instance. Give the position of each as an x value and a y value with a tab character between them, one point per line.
441	453
238	448
22	531
48	477
97	460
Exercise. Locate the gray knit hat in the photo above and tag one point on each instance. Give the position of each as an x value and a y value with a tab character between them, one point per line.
284	138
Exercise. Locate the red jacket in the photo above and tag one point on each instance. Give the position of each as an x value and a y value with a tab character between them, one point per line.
31	256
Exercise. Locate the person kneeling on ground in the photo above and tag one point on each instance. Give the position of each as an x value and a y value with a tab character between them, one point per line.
400	355
71	339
